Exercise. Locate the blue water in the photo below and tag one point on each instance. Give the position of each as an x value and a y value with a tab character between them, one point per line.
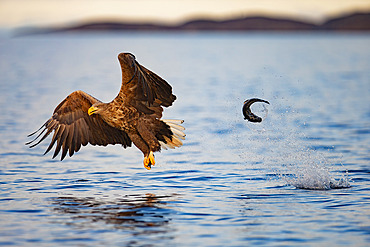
233	183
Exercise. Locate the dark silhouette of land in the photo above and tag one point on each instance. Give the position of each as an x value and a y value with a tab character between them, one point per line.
352	22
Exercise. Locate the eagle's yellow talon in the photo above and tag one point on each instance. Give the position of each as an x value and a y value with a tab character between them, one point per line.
149	161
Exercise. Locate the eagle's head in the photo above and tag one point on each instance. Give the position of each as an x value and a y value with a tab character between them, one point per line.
97	108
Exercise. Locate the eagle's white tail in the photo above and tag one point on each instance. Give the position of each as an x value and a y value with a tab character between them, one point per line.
177	136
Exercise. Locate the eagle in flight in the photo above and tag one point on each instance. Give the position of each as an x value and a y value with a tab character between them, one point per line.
134	116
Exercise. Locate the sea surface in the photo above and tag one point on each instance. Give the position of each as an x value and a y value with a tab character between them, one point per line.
301	177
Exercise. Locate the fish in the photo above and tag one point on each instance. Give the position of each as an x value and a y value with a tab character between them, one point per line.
248	114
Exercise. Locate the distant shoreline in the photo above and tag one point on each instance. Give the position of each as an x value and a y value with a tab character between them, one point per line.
357	22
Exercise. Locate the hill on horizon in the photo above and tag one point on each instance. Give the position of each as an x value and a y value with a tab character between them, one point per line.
352	22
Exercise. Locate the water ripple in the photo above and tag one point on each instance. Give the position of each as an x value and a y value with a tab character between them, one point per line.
232	183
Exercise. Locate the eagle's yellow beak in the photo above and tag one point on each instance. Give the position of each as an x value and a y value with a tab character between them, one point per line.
92	110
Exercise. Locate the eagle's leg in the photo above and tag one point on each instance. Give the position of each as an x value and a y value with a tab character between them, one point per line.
149	161
140	144
150	139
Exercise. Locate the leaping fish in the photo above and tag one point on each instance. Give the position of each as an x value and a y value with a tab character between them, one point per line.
248	114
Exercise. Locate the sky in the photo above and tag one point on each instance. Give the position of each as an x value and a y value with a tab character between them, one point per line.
20	13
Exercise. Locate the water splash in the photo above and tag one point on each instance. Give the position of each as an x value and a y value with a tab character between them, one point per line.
306	168
313	173
281	145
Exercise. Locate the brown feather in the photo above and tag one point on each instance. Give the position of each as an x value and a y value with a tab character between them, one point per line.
73	127
60	140
53	140
143	89
133	116
71	142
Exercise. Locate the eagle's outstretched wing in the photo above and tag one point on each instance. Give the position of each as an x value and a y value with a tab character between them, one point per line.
73	127
142	88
